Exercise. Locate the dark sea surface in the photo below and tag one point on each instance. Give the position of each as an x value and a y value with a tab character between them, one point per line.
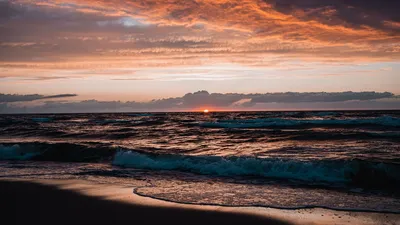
342	160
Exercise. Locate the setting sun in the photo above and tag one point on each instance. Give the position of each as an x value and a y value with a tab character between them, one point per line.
205	111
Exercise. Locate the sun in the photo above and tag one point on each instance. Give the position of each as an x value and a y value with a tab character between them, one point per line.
206	111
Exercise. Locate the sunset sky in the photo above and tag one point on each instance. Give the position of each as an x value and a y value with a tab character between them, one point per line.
139	50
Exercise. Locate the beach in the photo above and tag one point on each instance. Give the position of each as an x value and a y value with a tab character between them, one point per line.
57	201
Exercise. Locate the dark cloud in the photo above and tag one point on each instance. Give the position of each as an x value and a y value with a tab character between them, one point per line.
292	97
6	11
203	99
27	98
60	96
354	13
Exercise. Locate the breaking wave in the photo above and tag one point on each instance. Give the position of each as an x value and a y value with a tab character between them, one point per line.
341	172
15	152
278	122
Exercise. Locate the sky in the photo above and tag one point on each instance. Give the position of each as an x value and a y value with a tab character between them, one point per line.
144	50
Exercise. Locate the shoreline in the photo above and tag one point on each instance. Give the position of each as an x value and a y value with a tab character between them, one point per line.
93	198
267	206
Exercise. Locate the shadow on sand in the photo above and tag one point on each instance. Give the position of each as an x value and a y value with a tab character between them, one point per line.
32	203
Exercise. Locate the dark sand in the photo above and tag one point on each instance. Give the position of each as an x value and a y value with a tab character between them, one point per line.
25	202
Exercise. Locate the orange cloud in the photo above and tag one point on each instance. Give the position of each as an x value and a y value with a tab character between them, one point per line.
192	32
254	16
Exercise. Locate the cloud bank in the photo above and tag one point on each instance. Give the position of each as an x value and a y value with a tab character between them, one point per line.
4	98
215	101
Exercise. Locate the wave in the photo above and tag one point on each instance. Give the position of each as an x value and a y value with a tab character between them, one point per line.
341	172
129	122
322	114
140	114
330	136
110	121
278	122
15	152
389	134
62	152
382	175
42	120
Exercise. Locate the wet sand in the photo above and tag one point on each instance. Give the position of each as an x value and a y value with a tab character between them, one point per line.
82	202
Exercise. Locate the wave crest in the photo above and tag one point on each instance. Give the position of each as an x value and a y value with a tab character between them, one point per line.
324	171
15	152
62	152
278	122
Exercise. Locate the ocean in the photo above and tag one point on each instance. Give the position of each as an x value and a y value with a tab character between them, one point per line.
345	160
